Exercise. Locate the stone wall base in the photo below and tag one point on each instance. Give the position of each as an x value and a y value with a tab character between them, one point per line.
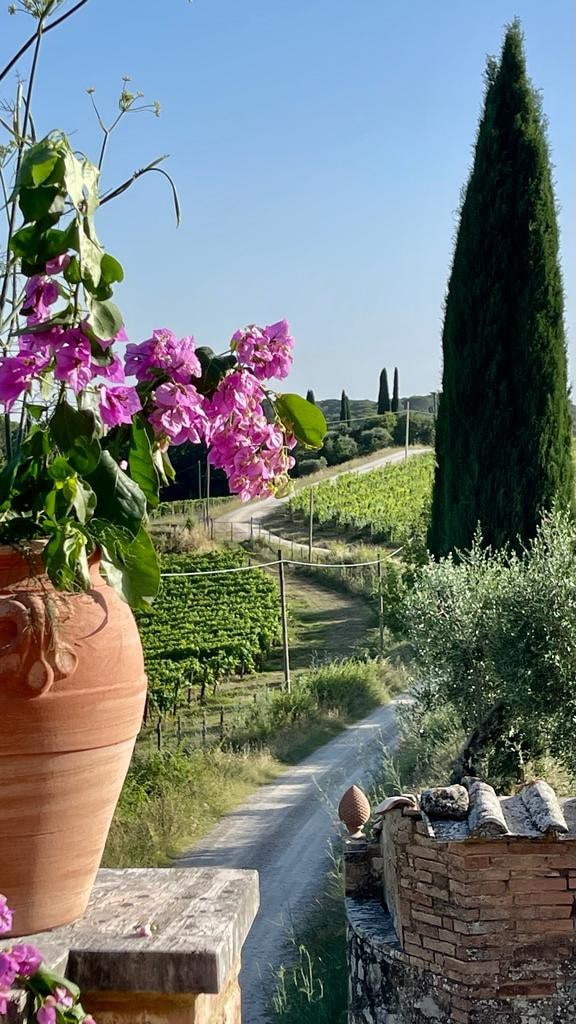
385	988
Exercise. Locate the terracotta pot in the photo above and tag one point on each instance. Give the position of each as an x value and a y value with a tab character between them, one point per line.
72	692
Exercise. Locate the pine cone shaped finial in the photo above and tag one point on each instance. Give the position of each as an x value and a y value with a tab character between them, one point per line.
354	811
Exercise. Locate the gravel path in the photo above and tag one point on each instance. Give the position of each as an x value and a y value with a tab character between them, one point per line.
284	832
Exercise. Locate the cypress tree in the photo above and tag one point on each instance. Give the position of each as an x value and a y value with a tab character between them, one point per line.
395	404
310	396
383	394
345	414
503	438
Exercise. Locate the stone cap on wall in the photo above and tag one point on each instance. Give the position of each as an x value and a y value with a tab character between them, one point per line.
474	811
199	919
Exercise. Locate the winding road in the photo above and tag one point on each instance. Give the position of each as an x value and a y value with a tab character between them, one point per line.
284	831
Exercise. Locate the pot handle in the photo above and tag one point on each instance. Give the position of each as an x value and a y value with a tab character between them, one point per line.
35	654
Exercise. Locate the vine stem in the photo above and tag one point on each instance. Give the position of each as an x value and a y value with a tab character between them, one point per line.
30	42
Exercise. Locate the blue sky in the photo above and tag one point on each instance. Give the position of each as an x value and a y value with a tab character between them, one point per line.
319	148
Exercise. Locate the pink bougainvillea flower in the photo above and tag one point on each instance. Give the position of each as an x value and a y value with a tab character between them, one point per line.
118	405
63	997
280	345
28	959
46	1014
114	371
4	998
254	456
39	348
16	373
6	916
265	351
143	931
8	970
163	352
58	264
40	294
179	414
238	394
74	360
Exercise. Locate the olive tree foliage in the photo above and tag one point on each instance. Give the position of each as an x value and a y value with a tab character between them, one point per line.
494	636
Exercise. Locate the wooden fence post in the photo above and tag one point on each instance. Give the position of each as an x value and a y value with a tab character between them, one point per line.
311	524
285	644
380	606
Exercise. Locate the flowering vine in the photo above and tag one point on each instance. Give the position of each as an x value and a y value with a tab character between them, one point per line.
90	414
51	998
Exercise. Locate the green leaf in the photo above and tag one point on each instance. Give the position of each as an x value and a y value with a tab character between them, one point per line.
84	501
68	424
120	500
72	271
55	241
105	319
214	368
132	569
141	462
305	420
59	468
65	558
38	163
90	258
84	455
111	269
25	242
73	178
74	432
41	202
35	411
44	981
90	177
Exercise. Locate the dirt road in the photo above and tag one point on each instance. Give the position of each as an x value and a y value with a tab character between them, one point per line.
284	832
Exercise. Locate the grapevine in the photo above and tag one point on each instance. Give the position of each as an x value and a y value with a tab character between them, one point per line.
203	628
392	504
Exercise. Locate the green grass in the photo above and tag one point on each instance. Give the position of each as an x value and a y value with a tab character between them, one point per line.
312	987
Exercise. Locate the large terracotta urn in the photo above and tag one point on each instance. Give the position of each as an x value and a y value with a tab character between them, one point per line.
72	692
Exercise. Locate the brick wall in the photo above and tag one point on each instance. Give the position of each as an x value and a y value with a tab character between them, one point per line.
474	910
485	927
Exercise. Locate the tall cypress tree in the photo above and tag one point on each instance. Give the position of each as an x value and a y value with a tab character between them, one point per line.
503	438
345	414
395	404
383	394
310	396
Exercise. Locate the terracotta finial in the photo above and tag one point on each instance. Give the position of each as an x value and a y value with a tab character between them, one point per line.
354	811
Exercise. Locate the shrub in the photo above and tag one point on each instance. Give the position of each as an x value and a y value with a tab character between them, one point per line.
372	440
340	449
307	467
495	636
422	429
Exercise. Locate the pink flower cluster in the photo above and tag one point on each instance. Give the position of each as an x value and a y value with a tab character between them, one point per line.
20	962
163	352
265	351
252	450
